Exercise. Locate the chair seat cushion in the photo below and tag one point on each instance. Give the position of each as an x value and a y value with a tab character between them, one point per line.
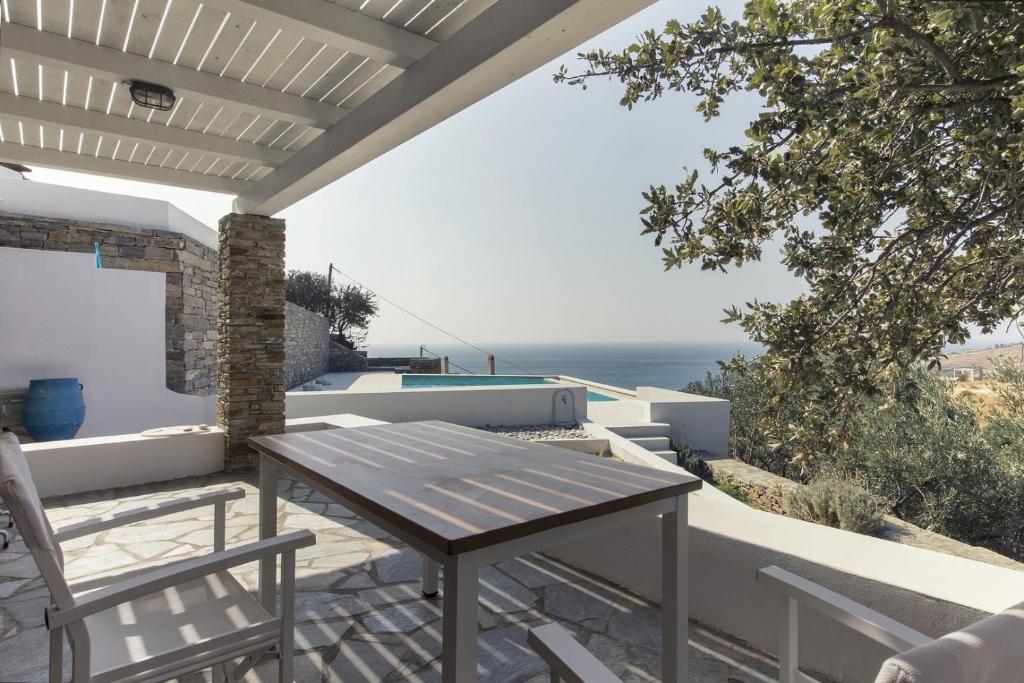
988	651
171	619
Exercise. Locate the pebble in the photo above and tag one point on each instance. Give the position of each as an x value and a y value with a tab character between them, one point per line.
538	432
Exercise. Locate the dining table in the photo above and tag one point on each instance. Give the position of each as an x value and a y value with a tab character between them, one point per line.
466	498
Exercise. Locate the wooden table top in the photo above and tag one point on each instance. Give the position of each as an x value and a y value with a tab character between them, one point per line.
460	489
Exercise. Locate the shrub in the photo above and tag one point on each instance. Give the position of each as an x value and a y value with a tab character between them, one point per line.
836	503
734	491
750	412
932	462
922	451
690	461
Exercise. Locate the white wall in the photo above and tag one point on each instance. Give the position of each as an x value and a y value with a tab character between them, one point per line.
60	201
64	318
700	422
470	406
100	463
931	592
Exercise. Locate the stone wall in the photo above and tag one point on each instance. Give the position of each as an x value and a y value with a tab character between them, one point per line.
763	489
306	345
250	351
424	366
191	283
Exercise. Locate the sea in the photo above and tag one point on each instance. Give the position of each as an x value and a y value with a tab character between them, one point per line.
626	365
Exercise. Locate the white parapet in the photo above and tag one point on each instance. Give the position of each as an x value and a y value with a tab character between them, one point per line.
928	591
106	462
531	404
700	422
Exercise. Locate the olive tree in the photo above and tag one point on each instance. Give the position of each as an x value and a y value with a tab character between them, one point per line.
349	309
887	159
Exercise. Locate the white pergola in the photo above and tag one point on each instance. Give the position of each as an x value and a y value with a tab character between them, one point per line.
275	98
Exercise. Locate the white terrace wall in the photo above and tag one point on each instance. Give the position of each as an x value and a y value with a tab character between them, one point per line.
62	317
472	407
700	422
931	592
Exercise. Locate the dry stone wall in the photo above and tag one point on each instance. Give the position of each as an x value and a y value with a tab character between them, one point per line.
306	345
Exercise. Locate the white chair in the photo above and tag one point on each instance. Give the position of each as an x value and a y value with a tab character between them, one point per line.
154	624
989	651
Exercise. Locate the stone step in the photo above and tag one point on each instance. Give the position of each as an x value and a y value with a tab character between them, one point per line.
632	430
653	443
667	455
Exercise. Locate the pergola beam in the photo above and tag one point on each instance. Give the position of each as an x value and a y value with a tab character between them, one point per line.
136	130
80	57
51	158
505	42
337	26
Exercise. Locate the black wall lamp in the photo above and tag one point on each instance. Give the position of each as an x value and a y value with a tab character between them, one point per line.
151	95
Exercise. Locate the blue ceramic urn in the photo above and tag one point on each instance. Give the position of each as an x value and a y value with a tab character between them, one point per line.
53	409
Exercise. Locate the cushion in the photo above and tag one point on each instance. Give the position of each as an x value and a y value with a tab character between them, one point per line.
19	493
989	651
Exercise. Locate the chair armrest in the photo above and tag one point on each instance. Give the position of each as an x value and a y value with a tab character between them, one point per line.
144	512
568	660
175	575
854	615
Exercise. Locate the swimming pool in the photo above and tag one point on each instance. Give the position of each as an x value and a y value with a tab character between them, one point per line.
438	381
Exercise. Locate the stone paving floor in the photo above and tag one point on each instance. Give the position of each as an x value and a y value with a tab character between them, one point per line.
359	614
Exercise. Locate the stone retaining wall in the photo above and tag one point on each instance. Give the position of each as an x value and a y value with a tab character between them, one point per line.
191	274
306	345
763	489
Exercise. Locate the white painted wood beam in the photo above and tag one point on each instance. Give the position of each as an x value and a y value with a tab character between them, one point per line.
508	40
137	130
337	26
69	161
86	59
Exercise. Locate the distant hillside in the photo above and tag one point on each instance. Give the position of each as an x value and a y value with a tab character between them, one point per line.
984	359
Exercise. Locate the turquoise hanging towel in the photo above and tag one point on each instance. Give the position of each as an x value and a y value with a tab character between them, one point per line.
99	259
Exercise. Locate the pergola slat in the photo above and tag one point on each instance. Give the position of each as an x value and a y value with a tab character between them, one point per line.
106	63
138	130
337	26
30	156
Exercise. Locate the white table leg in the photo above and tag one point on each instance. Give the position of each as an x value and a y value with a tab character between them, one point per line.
268	529
429	586
461	592
674	566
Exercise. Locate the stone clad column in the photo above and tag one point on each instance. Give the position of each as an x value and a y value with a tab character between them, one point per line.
250	322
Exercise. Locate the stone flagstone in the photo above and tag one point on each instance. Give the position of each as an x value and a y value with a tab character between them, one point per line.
359	613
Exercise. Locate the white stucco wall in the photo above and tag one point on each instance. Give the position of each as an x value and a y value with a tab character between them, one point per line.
470	406
700	422
931	592
62	317
105	462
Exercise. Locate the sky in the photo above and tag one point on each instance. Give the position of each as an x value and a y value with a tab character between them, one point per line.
517	220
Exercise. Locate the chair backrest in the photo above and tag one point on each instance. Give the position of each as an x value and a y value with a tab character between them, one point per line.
22	499
988	651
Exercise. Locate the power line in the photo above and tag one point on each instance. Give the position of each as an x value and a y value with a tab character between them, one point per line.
450	362
428	323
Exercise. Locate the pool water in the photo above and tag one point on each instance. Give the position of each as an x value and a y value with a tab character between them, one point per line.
436	381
